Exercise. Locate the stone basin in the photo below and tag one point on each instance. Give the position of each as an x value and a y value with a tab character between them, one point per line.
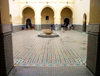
48	32
48	35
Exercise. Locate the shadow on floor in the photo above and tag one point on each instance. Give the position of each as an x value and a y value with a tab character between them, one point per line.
50	71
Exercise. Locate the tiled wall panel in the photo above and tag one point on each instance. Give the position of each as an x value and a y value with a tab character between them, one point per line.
93	51
6	52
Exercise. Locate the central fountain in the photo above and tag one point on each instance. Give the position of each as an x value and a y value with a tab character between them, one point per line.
48	33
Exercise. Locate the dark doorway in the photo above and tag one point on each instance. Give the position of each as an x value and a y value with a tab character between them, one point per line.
28	21
47	17
84	23
66	21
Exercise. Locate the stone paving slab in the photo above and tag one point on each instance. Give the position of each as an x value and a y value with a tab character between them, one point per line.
69	49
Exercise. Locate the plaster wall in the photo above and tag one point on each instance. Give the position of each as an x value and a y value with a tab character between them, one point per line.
77	9
81	7
17	7
14	6
95	11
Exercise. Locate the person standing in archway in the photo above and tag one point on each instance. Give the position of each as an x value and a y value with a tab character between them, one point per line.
51	27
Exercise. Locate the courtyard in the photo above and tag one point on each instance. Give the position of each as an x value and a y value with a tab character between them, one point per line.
69	49
59	56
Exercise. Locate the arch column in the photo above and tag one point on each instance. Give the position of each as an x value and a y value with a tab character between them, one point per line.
6	53
37	18
21	17
57	20
57	16
38	22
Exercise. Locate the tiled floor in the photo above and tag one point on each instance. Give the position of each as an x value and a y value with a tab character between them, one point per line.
70	49
59	56
51	71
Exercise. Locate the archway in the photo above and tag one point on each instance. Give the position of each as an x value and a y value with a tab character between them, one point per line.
28	13
84	22
47	15
66	14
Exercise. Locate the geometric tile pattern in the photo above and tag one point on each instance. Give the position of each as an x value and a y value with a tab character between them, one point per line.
69	49
6	53
51	71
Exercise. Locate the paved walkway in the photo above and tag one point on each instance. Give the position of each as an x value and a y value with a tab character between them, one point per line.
70	49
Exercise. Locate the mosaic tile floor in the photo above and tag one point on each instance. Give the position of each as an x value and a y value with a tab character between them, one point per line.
51	71
70	49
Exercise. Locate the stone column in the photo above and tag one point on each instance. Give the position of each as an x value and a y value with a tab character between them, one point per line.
57	17
6	54
37	17
57	21
37	24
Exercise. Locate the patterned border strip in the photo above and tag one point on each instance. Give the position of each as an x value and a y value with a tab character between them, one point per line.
50	65
94	27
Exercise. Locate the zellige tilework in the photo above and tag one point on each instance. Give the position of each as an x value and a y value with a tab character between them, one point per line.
70	49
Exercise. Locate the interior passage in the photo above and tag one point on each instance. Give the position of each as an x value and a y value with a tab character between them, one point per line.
69	49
